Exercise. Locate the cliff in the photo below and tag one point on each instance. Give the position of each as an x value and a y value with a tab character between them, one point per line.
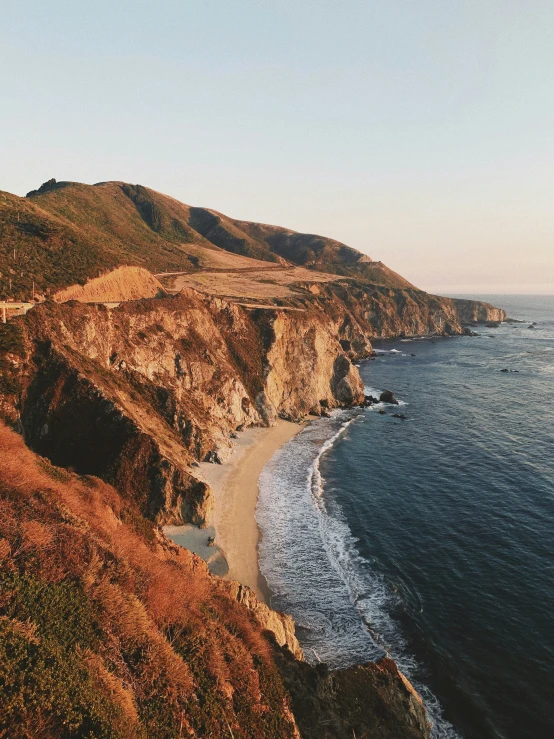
65	233
137	394
372	311
108	629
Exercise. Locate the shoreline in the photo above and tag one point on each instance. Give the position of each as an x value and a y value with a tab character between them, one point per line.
235	487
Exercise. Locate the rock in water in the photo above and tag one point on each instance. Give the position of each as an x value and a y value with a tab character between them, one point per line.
387	396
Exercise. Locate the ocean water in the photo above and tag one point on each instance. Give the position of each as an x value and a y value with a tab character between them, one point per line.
432	538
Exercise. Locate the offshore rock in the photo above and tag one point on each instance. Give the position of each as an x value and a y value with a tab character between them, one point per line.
387	396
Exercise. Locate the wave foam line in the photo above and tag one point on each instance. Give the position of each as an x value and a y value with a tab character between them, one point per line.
368	592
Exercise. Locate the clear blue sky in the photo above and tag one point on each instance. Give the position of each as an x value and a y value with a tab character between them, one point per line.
421	133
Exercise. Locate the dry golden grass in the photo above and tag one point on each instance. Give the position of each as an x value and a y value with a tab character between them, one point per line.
254	284
123	283
162	649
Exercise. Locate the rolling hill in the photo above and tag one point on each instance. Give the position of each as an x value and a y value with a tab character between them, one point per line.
65	233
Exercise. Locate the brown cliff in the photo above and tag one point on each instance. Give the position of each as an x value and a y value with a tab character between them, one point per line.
137	394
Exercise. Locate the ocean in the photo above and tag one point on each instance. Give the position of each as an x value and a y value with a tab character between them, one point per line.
431	538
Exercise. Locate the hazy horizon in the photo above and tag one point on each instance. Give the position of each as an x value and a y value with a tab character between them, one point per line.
419	135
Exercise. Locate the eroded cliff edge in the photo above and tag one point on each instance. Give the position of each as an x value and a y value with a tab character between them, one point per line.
139	393
136	395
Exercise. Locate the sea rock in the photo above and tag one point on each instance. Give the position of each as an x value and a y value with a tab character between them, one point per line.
346	383
370	399
387	396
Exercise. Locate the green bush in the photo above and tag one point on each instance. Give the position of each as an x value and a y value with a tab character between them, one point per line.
44	680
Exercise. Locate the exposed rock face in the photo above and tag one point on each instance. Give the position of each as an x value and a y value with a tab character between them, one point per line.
346	382
471	311
281	625
371	311
136	394
304	344
374	700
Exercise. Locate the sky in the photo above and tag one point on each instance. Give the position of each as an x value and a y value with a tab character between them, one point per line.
421	133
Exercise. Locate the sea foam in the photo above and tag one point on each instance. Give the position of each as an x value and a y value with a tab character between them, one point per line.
310	559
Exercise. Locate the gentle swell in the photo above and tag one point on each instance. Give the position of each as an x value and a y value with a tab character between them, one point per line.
314	569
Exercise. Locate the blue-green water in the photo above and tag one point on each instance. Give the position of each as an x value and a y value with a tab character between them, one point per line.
432	538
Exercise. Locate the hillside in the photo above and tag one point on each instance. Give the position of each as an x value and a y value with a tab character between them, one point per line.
67	232
108	630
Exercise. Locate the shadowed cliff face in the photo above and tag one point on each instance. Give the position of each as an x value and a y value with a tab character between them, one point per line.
374	700
136	395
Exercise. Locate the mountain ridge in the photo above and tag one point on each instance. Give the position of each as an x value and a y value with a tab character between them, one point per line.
115	223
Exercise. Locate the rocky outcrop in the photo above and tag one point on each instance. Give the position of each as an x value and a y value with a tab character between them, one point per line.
475	311
136	394
281	625
366	312
374	700
387	396
305	344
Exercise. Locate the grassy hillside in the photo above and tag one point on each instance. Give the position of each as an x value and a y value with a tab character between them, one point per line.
38	246
65	233
107	630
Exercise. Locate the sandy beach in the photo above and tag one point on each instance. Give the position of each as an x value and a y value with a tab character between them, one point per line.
235	487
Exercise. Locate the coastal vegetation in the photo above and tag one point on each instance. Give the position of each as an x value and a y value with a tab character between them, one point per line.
108	629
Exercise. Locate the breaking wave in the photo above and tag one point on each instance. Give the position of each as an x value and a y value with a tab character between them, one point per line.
313	567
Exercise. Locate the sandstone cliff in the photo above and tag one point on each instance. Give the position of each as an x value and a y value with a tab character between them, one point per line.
367	312
137	394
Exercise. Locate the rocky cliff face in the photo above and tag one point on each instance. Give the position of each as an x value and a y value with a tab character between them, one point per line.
365	312
374	700
137	394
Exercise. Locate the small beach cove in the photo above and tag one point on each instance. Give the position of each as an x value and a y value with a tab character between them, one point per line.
234	553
